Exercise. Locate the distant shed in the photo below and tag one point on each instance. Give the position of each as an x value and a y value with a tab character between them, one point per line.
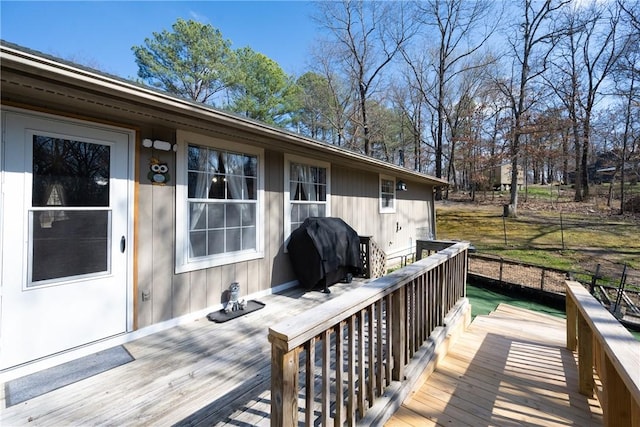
500	177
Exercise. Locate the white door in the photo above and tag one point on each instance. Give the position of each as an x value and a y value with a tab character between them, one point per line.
64	235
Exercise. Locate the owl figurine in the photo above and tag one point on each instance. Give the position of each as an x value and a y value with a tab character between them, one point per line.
158	171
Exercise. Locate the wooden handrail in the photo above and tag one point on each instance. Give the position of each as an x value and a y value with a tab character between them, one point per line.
604	345
354	346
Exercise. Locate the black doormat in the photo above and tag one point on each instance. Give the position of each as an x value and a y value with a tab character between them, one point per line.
36	384
221	316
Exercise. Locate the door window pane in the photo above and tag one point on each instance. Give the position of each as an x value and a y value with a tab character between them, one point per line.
69	173
68	243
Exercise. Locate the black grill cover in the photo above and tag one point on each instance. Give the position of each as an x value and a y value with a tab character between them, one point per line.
323	251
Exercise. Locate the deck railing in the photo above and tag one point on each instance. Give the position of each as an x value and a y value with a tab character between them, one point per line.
335	360
606	347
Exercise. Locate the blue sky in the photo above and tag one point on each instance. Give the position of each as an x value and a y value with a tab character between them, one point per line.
100	33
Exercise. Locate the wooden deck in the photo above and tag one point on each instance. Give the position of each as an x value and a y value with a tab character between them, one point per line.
510	368
202	373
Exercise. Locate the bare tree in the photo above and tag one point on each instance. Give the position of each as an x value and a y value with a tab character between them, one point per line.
600	52
531	44
367	36
455	24
627	86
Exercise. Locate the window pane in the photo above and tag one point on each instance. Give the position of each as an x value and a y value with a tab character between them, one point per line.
215	215
249	238
235	190
322	193
69	173
198	185
307	193
216	242
217	189
294	174
215	162
385	186
198	244
235	164
197	216
322	210
295	212
196	158
251	190
232	215
313	210
322	176
250	166
69	243
248	214
234	242
304	213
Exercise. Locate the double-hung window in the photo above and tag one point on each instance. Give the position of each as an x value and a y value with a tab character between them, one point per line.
307	191
219	206
387	194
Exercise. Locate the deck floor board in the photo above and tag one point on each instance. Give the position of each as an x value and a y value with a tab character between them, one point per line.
509	368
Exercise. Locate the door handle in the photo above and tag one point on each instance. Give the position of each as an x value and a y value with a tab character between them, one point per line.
123	244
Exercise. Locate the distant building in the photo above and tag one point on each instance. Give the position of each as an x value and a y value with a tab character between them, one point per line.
500	177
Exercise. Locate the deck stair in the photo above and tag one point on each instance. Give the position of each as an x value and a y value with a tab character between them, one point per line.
510	367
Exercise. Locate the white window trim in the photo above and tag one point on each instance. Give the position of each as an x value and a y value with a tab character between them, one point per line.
386	209
288	159
183	264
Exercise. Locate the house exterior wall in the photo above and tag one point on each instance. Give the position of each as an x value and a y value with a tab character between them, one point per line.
354	198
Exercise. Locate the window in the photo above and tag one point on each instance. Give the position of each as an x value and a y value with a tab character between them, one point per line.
219	203
70	219
387	194
307	191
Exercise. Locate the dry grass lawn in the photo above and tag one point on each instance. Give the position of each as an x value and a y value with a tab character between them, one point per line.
555	233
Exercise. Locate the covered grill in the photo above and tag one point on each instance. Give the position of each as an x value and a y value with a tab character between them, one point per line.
324	251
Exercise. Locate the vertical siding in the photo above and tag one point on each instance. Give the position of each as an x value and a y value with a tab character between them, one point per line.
355	198
278	268
156	225
161	255
213	283
198	298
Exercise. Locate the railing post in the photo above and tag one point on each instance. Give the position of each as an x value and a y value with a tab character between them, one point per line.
617	400
585	357
284	386
572	323
398	333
